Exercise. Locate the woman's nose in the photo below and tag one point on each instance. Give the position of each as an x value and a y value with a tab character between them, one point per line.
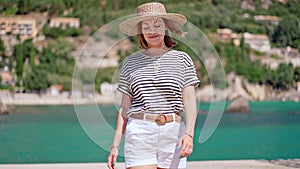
151	30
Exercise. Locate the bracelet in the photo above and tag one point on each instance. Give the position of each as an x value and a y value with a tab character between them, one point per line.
114	146
189	135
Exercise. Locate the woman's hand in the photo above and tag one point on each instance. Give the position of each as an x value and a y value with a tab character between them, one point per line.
112	158
120	129
186	144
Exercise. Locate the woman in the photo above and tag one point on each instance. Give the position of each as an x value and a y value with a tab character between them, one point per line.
157	86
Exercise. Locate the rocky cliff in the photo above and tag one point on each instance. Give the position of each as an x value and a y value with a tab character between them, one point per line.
3	108
239	86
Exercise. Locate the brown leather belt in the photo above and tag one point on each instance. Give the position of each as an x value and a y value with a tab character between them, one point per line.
160	119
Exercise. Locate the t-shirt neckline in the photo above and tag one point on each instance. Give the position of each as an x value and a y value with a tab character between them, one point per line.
155	56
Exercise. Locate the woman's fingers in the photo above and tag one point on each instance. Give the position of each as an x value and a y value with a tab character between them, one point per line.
186	147
111	161
114	161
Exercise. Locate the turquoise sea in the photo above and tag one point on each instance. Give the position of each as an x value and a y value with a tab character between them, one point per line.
53	134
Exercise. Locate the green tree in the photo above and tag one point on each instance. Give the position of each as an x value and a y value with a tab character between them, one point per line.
36	79
2	47
32	55
59	32
297	74
57	7
21	52
19	56
65	81
56	60
102	75
47	59
24	6
283	77
287	31
52	32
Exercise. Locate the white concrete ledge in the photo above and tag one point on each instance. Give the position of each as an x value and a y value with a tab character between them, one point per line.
226	164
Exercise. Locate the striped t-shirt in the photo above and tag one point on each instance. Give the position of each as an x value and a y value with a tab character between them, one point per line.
155	84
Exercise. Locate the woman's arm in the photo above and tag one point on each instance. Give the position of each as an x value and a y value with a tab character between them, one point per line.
120	129
190	108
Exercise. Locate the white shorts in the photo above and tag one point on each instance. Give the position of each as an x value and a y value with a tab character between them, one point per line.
149	143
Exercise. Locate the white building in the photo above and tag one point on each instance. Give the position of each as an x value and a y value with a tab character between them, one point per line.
257	42
24	26
267	18
65	22
107	88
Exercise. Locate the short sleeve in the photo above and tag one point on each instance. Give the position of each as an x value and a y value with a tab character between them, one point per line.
190	75
124	82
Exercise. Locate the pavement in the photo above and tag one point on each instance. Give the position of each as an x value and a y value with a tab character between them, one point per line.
224	164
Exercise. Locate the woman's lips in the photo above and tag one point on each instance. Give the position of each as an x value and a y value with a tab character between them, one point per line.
153	36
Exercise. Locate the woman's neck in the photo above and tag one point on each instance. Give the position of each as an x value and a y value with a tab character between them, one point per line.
155	51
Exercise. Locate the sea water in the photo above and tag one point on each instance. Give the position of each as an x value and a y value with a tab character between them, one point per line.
53	134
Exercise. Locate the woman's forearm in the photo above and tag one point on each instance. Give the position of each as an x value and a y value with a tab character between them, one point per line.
121	121
120	129
190	107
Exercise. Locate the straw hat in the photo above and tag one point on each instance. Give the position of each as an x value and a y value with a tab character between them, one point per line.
147	11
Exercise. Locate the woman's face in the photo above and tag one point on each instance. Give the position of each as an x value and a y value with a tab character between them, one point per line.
154	32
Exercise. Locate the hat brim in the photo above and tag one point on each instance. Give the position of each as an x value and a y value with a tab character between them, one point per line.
129	26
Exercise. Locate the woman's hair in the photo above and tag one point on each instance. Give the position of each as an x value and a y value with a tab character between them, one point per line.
167	39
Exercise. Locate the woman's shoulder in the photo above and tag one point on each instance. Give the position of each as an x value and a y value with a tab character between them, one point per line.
179	53
132	58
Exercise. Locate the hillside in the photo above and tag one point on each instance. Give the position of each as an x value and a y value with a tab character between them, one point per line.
277	68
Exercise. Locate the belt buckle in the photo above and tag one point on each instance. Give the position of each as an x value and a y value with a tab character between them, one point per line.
161	119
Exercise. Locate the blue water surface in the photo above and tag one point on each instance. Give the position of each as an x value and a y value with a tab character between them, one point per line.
53	134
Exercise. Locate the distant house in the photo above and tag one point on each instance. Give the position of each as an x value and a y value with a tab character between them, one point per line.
257	42
6	78
267	18
226	34
64	22
107	88
56	90
24	26
289	51
283	1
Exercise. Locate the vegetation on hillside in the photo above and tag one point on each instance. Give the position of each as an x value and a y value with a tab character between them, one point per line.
57	64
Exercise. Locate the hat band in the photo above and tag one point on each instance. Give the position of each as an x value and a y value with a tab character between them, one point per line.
151	13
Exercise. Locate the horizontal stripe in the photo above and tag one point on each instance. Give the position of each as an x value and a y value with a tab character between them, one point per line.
156	83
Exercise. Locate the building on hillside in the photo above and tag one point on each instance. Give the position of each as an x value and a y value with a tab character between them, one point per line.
227	34
55	90
257	42
65	22
107	88
283	1
24	26
267	18
289	51
298	87
6	78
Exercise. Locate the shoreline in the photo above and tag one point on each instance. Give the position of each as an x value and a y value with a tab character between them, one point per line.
46	99
217	164
65	99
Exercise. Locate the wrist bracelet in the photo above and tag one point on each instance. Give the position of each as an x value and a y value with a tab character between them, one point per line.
114	146
189	135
